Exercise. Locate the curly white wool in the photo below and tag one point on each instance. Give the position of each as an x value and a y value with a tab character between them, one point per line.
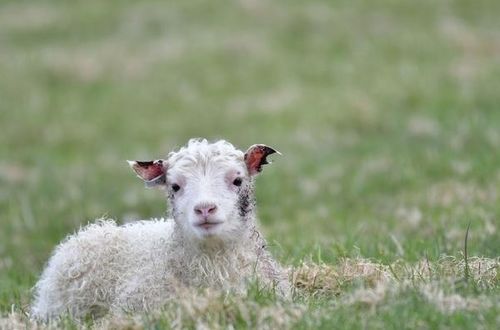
141	265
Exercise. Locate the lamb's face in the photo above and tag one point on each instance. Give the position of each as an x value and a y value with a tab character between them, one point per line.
209	186
210	196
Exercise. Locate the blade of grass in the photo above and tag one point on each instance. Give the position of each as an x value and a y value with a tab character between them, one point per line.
466	260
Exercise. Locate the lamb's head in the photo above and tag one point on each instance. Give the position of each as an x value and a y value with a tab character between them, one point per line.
209	186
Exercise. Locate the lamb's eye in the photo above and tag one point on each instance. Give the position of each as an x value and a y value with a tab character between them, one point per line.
176	187
237	182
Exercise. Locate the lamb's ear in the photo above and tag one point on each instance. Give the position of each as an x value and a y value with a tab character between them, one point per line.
256	156
152	172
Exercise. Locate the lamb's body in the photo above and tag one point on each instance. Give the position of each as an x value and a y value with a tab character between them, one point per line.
141	265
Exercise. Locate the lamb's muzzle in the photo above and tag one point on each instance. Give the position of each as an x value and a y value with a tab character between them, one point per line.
211	239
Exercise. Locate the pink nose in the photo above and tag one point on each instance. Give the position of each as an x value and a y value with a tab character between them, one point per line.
205	209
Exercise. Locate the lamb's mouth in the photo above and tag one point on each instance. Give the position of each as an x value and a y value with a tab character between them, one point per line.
207	225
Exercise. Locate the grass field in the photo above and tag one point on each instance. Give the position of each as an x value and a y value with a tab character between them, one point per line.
387	114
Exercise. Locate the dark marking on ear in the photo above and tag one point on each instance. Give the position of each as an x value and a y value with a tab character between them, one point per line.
151	172
256	156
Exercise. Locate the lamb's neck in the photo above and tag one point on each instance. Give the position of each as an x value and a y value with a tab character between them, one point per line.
248	241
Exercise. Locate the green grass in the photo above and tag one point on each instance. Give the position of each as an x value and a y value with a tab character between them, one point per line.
387	114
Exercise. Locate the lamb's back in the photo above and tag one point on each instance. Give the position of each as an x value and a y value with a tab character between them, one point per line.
87	270
81	274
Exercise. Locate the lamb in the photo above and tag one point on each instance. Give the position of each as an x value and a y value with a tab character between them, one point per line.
211	242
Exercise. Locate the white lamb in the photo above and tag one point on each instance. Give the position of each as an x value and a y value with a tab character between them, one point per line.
212	240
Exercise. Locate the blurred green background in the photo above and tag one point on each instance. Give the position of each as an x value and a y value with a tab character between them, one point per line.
386	112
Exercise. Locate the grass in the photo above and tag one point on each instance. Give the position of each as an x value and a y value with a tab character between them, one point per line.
387	115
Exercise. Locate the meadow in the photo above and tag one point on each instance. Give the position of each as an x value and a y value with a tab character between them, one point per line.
387	114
